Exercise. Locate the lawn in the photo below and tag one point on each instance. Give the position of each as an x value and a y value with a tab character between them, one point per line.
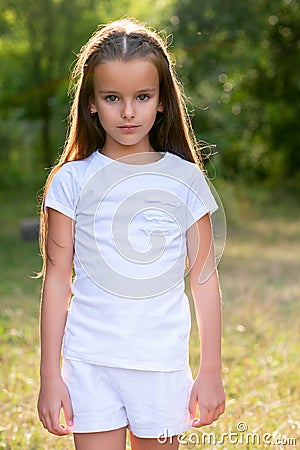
259	275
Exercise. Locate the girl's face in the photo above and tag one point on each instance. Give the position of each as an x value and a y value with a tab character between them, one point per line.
126	99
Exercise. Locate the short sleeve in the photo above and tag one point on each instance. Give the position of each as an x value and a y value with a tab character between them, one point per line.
200	199
62	195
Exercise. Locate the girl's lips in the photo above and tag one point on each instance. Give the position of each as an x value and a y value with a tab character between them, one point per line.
128	127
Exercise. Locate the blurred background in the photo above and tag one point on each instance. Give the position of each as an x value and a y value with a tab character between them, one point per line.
239	63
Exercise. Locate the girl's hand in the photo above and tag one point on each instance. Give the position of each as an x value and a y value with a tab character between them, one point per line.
52	397
208	392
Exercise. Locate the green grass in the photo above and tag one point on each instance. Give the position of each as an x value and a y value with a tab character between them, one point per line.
259	275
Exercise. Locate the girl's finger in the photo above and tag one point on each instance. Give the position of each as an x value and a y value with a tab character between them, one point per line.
56	427
205	416
222	408
192	405
46	422
68	411
196	423
216	414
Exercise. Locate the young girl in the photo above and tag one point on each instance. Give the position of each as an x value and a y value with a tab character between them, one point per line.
125	207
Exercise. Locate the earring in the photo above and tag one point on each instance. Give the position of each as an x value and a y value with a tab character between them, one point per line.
93	112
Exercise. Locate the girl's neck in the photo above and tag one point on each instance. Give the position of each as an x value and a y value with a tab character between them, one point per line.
132	155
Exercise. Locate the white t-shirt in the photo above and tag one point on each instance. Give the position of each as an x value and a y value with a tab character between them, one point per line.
128	307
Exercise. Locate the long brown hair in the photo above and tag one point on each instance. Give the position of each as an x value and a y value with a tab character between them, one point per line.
124	40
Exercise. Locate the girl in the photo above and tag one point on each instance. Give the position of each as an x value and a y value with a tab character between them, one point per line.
125	206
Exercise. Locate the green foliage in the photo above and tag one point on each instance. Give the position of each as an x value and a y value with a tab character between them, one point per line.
277	87
240	64
38	45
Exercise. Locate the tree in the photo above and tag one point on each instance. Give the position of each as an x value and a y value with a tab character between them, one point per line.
51	31
278	90
241	71
38	43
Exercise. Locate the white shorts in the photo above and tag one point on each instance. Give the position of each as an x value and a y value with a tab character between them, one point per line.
149	403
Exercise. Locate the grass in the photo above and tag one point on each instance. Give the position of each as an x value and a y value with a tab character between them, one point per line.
259	275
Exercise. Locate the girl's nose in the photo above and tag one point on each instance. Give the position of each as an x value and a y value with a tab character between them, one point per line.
128	111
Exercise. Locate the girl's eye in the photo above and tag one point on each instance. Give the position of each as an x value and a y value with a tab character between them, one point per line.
143	97
111	98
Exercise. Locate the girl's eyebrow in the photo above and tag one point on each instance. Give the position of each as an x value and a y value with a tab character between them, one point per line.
112	91
147	90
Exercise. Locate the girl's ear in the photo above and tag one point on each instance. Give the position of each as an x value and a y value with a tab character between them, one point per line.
160	107
93	109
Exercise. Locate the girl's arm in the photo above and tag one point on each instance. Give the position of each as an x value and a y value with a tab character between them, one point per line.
208	389
56	293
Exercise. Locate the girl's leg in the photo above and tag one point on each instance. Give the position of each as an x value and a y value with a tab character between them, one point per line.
153	444
115	439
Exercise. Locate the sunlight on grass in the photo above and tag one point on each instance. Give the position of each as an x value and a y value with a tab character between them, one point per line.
259	276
